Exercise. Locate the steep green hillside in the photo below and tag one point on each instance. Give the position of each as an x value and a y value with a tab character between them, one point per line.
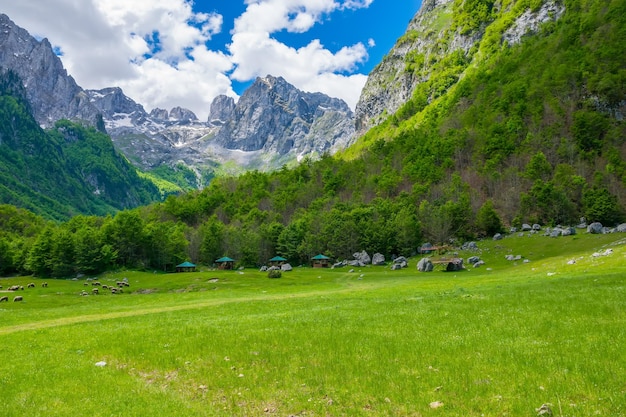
537	127
65	171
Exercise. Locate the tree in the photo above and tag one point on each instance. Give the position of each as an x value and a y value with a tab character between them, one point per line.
601	206
487	220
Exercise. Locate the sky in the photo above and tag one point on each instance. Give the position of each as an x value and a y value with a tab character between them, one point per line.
167	53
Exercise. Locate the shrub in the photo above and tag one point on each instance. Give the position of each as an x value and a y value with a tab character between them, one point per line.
274	273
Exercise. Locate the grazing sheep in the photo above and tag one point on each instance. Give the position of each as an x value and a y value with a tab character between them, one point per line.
22	287
105	287
114	290
31	285
83	293
96	283
95	291
86	284
0	287
44	284
5	298
18	298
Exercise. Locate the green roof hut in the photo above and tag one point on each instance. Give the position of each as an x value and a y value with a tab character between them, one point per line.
277	261
320	261
186	267
225	263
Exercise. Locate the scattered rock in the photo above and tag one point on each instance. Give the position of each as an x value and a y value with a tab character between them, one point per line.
425	265
363	257
101	364
544	410
497	236
472	260
378	259
286	267
595	228
436	404
469	246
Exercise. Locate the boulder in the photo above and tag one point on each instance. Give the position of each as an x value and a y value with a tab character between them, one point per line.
568	231
526	227
513	229
286	267
455	266
469	246
426	248
479	263
402	261
621	228
362	257
425	265
595	228
536	227
473	260
395	267
378	259
263	269
497	236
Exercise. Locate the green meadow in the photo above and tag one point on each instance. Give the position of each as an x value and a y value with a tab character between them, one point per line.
503	339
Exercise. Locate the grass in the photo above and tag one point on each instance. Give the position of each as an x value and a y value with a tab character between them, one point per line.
503	339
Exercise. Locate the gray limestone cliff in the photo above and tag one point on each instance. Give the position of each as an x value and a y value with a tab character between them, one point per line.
273	116
51	92
433	35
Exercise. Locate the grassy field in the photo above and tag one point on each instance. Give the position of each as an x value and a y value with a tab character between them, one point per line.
499	340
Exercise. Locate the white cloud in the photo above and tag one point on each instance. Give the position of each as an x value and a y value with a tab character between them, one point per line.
156	49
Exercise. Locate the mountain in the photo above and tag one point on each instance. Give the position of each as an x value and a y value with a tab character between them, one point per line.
272	124
436	42
51	92
66	170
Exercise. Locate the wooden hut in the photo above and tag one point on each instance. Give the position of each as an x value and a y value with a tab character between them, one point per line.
277	261
320	261
186	267
225	263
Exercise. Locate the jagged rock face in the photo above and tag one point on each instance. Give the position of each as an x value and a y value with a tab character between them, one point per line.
432	35
181	114
52	93
272	115
389	85
159	114
222	109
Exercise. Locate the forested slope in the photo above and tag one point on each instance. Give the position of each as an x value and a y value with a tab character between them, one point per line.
67	170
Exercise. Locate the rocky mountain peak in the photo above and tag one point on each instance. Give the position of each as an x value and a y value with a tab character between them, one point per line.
52	93
221	110
274	116
182	114
272	124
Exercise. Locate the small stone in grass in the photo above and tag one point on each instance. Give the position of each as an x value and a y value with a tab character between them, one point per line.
436	404
101	364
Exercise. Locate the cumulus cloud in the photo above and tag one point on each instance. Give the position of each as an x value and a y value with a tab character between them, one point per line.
156	50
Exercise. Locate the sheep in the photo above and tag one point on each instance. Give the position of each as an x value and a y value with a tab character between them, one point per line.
44	284
85	284
83	293
18	298
96	283
95	291
14	288
105	287
5	298
114	290
22	287
31	285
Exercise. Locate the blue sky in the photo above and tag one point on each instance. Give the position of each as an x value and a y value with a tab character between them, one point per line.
166	53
